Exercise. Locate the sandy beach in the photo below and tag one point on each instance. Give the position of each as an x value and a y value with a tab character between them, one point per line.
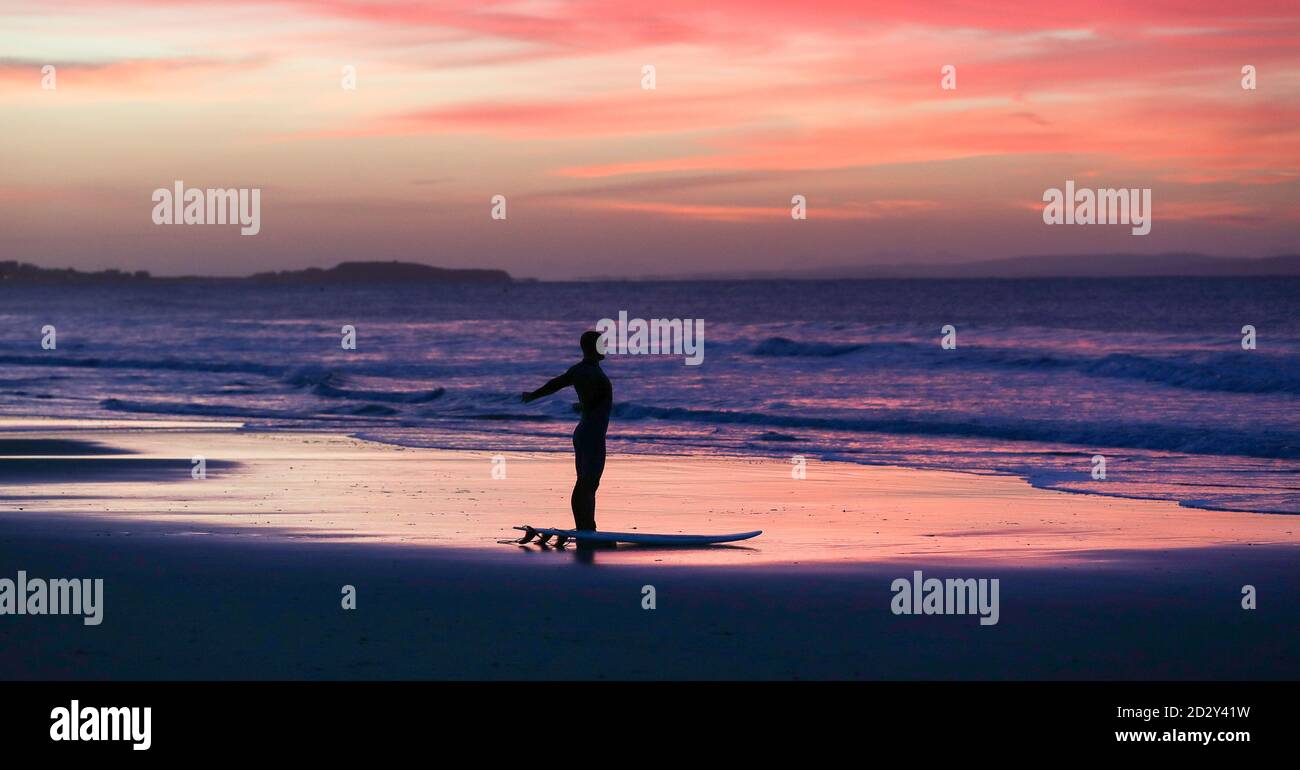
238	575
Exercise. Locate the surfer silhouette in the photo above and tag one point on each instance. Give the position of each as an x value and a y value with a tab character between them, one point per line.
596	398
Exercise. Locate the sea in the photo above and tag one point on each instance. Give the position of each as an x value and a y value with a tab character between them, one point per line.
1046	374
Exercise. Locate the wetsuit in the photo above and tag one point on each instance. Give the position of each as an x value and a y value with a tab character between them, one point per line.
596	398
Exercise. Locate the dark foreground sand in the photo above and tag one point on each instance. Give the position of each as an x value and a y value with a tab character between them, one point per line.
241	578
222	608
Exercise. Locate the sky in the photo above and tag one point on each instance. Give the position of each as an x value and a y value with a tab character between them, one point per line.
546	103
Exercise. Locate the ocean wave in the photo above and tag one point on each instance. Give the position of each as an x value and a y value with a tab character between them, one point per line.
1135	435
197	410
386	396
167	364
364	410
1229	372
772	435
783	347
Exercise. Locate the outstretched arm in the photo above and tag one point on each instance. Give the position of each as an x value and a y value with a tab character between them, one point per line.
558	383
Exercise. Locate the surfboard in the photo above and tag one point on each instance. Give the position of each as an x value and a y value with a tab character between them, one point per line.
562	536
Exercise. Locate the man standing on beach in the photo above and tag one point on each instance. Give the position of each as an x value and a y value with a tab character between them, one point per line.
596	398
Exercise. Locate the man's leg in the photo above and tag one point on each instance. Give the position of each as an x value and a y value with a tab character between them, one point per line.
579	500
589	459
594	470
583	502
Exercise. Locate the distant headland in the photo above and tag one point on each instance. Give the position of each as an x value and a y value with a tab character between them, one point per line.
1187	265
345	273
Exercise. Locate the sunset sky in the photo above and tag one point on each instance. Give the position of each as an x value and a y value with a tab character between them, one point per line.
541	101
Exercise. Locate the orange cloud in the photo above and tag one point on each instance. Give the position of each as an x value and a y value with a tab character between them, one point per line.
733	213
756	100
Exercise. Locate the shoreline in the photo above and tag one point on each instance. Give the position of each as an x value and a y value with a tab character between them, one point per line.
311	485
1052	480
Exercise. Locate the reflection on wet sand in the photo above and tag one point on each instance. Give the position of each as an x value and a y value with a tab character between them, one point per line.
306	486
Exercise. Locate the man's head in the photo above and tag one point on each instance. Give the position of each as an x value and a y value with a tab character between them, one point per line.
589	347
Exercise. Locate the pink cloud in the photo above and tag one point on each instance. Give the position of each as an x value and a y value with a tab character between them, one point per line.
121	75
757	99
881	209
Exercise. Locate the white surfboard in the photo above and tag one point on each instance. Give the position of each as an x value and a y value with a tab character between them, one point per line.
543	534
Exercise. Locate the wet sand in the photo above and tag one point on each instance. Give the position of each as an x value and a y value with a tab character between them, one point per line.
239	575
